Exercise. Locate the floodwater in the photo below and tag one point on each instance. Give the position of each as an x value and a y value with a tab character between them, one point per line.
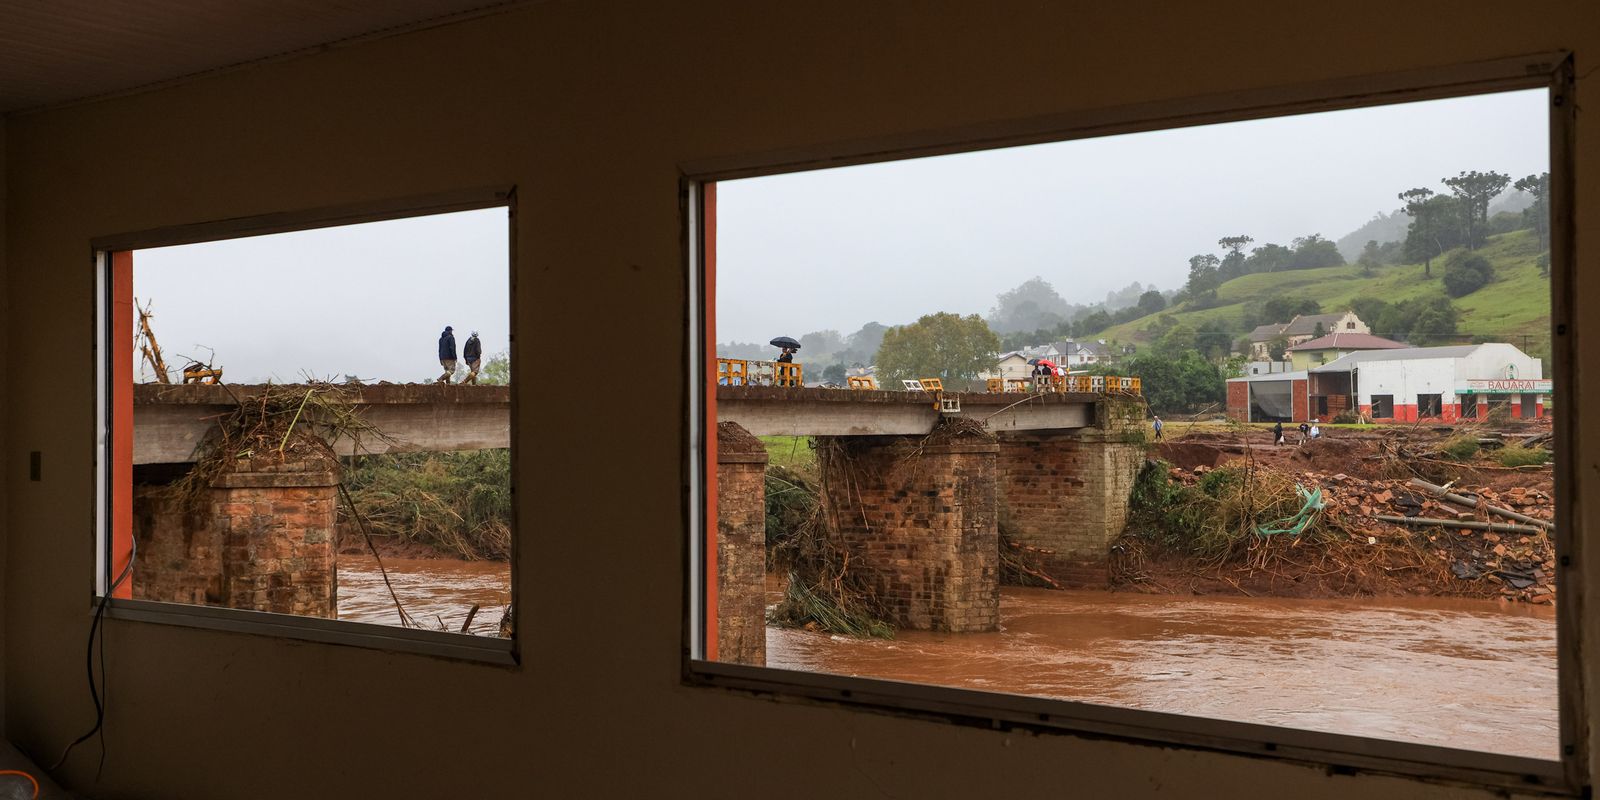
1469	674
1456	673
434	591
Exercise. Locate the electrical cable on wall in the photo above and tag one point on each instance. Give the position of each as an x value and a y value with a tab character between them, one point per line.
95	692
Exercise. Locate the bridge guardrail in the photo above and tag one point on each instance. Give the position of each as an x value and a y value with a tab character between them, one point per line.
747	372
1078	384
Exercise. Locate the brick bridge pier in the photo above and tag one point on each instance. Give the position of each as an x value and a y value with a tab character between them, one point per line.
261	534
923	511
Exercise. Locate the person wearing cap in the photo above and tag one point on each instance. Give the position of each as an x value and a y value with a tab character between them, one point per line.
472	352
447	354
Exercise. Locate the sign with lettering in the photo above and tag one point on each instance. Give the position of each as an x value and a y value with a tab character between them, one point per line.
1507	386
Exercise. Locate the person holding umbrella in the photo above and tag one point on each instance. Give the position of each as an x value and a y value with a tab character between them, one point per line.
1042	368
788	345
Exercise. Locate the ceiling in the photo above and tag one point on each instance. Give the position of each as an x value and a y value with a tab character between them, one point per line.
54	51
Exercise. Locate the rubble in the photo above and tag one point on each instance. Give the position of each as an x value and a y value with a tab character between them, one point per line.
1493	540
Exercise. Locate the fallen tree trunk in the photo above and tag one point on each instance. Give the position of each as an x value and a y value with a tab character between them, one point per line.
1496	527
1462	500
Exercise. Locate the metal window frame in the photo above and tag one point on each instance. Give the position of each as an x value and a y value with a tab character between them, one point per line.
440	644
1336	752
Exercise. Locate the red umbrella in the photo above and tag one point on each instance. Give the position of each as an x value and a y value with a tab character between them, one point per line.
1045	362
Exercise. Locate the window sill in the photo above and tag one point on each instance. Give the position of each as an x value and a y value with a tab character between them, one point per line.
439	644
1335	752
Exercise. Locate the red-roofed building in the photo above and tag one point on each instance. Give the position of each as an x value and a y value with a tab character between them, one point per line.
1319	351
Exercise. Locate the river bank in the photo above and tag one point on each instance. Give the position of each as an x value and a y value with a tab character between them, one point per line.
1355	545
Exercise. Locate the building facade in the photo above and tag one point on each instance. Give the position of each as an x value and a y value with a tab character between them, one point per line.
1402	385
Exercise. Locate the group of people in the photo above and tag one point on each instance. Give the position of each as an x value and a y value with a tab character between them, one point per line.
471	352
1308	431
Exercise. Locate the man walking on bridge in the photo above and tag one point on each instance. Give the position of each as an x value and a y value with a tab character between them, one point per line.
447	354
472	352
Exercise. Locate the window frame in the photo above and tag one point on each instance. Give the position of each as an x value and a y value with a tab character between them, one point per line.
1387	405
1433	409
1340	753
443	644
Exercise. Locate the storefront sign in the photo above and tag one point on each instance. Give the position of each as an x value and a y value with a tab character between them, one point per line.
1507	386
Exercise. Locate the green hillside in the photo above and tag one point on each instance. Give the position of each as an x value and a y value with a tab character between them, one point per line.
1515	305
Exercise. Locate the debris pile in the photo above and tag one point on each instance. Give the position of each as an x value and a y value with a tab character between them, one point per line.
1403	535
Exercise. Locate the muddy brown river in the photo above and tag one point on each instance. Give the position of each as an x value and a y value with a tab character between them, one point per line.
1470	674
434	591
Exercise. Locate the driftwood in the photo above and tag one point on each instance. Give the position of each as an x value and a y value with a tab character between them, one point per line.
1468	502
1496	527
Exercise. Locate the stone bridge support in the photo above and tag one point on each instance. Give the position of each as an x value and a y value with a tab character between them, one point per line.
741	547
260	538
918	515
1067	492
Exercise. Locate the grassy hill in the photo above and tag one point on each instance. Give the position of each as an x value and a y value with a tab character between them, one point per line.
1515	306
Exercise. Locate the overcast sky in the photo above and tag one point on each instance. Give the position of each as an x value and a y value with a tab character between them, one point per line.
366	300
891	242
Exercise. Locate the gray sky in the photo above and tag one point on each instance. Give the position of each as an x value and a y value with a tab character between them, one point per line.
367	300
891	242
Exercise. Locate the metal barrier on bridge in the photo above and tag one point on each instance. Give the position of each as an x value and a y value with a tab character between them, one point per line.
1077	384
745	372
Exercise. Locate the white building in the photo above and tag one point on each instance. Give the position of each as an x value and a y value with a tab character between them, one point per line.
1445	383
1011	365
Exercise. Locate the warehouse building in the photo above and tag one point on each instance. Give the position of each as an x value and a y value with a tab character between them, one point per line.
1402	385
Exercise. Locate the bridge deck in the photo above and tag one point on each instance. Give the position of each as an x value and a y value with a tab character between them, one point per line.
775	411
170	421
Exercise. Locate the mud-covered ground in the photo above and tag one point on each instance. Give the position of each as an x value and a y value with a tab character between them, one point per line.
1363	474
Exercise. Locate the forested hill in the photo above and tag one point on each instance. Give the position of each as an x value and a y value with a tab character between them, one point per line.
1513	306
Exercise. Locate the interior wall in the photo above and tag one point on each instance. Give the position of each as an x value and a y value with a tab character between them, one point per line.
589	108
5	455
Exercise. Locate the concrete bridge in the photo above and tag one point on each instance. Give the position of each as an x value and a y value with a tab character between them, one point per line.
264	534
917	485
918	494
171	421
777	411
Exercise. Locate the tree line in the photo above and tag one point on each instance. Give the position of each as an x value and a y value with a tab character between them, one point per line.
1185	366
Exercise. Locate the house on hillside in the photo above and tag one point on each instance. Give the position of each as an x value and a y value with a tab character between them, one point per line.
1316	352
1077	355
1068	354
1303	328
1399	384
1013	364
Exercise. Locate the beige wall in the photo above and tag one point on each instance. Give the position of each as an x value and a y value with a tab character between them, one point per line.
588	107
6	455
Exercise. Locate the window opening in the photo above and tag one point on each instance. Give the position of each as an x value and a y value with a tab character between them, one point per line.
317	423
1382	406
1429	405
831	507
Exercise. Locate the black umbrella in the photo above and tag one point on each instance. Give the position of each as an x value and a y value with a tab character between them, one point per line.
1033	362
784	341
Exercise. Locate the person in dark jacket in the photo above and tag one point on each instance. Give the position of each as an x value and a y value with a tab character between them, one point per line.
447	354
472	353
787	356
1277	433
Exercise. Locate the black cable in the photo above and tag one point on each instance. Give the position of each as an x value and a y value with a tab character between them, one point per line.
94	690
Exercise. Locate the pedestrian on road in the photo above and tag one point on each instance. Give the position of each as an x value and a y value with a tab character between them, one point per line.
1158	427
447	354
1305	432
472	351
1277	433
